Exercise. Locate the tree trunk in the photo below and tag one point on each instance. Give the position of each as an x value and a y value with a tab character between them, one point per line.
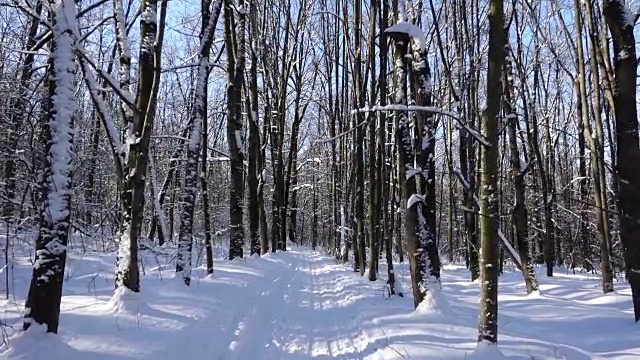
359	238
628	150
489	217
518	171
374	193
254	180
206	215
419	214
597	143
137	145
198	114
45	291
234	123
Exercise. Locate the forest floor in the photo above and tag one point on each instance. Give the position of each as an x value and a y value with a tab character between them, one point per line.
301	304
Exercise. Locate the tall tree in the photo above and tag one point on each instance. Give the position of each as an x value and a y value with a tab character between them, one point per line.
254	176
599	167
359	237
45	290
374	178
419	197
518	171
235	45
488	327
139	128
196	121
621	25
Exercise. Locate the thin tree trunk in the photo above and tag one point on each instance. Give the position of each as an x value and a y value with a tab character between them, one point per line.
359	239
254	180
374	192
518	171
600	181
206	215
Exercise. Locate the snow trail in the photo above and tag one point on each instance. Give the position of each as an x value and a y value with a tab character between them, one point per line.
307	312
301	304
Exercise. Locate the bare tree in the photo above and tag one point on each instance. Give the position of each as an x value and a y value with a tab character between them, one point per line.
198	114
45	291
235	44
488	327
628	150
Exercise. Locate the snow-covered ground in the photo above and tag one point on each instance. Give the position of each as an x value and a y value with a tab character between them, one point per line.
301	304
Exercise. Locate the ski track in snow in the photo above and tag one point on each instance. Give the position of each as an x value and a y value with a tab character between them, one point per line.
294	319
301	304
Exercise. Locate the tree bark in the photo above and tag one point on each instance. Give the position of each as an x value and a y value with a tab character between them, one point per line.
137	145
628	150
489	217
45	291
518	172
235	70
196	122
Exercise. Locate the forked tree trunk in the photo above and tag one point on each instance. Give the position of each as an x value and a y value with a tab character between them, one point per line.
137	146
384	166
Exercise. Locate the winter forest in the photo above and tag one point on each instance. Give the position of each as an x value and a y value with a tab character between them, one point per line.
319	179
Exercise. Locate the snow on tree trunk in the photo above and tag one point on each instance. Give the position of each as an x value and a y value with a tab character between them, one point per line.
426	145
198	113
421	246
124	50
137	150
45	291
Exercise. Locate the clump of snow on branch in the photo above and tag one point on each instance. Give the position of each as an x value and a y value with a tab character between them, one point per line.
412	30
414	199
